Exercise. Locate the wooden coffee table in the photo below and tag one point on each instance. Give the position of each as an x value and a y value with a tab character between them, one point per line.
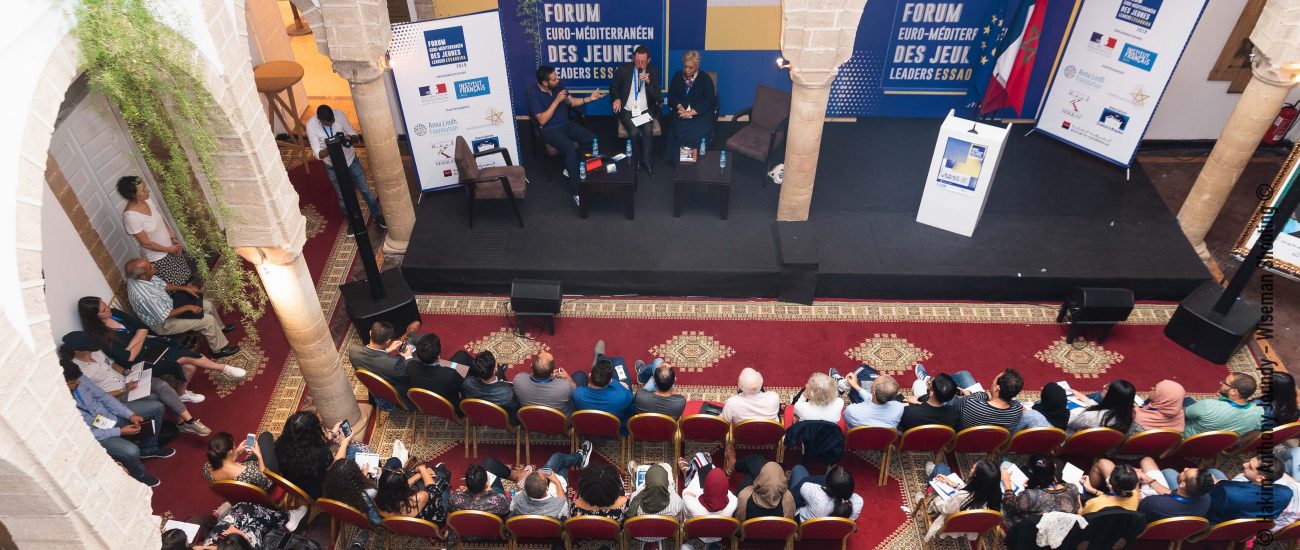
622	182
703	175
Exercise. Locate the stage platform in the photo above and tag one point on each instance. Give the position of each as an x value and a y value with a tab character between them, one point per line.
1056	218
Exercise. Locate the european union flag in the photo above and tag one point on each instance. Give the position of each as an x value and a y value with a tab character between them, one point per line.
987	47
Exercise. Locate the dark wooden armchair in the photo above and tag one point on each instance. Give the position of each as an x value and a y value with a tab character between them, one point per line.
497	182
765	133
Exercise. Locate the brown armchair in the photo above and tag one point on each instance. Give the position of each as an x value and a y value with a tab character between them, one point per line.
497	182
765	133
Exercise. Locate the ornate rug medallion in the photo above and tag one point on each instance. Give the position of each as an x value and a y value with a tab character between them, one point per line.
1084	361
692	351
315	221
250	358
888	353
507	346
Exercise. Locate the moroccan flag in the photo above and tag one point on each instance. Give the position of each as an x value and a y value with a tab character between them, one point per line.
1015	59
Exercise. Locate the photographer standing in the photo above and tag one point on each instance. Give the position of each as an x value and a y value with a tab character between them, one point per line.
325	125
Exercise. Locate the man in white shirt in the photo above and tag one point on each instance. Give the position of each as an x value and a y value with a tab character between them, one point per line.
87	354
174	309
635	90
325	125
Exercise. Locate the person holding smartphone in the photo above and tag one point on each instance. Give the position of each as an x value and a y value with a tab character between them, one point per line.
223	461
548	105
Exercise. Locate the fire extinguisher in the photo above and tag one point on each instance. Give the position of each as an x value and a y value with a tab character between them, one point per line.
1282	124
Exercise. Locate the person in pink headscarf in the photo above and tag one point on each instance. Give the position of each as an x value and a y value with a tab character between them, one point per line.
1163	410
752	402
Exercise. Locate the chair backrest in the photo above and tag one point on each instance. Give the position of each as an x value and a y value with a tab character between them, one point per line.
413	527
535	527
1153	443
870	438
758	431
768	528
465	163
288	487
431	403
1092	441
543	419
717	107
1175	528
1238	529
717	526
344	512
1290	532
704	427
928	437
1036	440
972	521
827	528
485	413
593	527
379	387
1206	444
594	422
652	427
771	106
652	526
1285	432
239	491
1108	527
981	439
476	523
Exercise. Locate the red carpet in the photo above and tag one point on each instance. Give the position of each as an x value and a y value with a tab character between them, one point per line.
239	408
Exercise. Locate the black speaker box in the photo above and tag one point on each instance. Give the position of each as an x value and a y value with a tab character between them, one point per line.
1099	305
1197	327
535	297
796	250
398	306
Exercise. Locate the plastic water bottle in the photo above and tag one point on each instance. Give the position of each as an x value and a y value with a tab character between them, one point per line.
582	171
629	147
595	147
703	147
722	159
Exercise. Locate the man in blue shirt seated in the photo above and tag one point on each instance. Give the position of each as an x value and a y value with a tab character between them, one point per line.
548	103
1253	494
111	422
602	392
878	407
1169	494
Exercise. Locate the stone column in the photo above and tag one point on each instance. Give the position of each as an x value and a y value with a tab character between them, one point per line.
293	296
1276	69
817	37
386	168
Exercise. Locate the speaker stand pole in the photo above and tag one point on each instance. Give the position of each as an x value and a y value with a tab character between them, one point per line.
1264	244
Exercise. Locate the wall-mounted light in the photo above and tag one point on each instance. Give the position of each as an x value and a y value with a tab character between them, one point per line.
783	63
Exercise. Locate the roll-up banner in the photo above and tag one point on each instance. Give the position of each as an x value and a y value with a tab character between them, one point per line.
1117	62
451	80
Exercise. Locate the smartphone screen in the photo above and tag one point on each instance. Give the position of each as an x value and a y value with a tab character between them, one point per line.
545	471
347	429
251	441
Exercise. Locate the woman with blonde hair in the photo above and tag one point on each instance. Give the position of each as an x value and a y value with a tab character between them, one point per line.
819	400
752	402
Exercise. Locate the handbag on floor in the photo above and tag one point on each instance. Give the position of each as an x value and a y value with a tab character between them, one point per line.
281	539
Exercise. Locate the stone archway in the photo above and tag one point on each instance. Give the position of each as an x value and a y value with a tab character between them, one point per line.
61	490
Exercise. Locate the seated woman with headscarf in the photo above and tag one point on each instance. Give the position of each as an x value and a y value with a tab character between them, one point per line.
752	402
1051	411
1163	409
708	493
657	498
692	106
767	491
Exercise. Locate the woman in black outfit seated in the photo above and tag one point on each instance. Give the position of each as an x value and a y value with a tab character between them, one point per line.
421	494
1043	493
692	106
305	450
600	493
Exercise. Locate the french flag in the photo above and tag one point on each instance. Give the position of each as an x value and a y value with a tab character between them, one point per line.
1015	59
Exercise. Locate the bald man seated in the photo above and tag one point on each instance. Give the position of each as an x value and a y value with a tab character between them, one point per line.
546	385
174	309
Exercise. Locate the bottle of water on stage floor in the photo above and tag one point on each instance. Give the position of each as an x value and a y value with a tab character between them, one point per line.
703	147
595	147
722	159
582	171
629	147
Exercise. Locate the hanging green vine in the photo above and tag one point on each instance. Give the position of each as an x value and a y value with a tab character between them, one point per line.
148	72
530	19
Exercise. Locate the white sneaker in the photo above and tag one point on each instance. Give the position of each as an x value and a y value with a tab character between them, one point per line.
234	372
295	516
196	427
929	467
566	172
191	397
577	200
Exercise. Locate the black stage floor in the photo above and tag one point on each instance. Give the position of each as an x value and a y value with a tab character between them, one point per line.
1056	218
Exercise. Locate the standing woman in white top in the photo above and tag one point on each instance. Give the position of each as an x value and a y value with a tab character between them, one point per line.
819	400
144	222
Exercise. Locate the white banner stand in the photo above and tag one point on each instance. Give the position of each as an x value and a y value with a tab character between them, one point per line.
966	158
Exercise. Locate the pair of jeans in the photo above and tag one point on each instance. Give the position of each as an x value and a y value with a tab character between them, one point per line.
499	469
963	379
128	452
799	476
1289	458
751	465
359	181
862	372
940	469
569	139
1171	478
561	462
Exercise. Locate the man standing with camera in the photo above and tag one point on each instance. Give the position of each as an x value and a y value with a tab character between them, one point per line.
326	124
